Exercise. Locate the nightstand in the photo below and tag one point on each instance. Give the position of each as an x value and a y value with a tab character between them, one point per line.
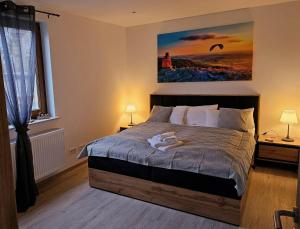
124	128
278	152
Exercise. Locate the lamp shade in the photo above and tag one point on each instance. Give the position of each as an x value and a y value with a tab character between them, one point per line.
289	117
130	108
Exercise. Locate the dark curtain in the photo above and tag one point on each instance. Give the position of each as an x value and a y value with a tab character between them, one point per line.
18	56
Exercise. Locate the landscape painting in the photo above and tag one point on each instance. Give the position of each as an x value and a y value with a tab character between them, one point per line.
214	54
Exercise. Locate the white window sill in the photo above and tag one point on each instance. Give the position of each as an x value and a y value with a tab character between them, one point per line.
36	122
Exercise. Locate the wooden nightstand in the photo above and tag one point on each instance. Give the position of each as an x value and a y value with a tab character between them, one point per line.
277	152
124	128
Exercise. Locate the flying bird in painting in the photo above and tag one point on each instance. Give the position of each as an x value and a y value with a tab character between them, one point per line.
221	46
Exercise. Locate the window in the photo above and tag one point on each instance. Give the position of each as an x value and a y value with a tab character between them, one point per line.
39	104
39	101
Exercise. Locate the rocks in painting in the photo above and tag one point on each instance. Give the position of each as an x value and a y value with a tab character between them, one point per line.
195	75
217	67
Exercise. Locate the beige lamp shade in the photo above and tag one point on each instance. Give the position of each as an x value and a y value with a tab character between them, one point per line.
289	117
130	108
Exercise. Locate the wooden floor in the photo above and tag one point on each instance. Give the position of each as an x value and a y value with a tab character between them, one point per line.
67	202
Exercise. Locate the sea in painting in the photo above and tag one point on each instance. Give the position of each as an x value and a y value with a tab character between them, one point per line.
222	53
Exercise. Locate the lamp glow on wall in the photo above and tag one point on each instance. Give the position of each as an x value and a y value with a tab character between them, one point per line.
130	108
288	117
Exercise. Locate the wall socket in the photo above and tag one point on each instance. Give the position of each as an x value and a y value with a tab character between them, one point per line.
76	150
73	150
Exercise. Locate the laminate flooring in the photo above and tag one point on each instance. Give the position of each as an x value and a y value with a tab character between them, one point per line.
67	201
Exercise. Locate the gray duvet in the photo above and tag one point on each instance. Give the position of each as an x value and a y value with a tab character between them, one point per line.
216	152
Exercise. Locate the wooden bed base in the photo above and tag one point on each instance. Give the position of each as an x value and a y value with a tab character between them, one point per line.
212	206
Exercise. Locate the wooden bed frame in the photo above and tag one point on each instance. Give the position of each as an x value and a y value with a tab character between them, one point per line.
217	207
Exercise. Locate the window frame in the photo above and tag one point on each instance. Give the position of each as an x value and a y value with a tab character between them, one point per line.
40	76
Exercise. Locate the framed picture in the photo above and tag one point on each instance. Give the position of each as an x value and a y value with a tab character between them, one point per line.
221	53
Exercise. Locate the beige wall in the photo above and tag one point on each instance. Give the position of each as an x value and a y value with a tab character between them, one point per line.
276	70
88	64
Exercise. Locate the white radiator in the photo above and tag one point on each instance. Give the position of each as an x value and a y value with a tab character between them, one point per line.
48	152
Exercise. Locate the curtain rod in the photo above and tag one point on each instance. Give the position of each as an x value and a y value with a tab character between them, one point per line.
11	5
48	13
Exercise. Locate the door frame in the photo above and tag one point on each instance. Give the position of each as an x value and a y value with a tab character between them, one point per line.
8	215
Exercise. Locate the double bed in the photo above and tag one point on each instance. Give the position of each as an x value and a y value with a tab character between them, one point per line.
206	176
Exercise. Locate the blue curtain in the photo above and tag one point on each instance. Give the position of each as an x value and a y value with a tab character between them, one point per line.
18	57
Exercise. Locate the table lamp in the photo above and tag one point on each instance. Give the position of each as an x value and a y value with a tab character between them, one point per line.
288	117
130	109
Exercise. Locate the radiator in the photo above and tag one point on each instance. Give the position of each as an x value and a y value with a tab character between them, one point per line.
48	152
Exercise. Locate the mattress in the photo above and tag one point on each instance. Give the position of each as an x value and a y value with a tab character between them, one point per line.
178	178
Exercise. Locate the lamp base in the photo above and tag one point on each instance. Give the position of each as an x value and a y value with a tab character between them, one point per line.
131	124
287	139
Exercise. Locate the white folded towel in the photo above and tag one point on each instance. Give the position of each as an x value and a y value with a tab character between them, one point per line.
164	141
161	137
170	140
165	148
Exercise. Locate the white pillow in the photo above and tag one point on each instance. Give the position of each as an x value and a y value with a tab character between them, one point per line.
196	116
178	114
212	118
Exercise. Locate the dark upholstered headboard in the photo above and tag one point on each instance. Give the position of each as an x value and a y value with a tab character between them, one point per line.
229	101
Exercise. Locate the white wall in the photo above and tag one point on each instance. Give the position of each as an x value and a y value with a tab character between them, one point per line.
88	63
276	70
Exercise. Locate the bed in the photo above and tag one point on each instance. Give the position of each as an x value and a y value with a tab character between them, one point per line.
200	183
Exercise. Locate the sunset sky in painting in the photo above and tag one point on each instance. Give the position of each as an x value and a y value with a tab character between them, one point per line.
235	38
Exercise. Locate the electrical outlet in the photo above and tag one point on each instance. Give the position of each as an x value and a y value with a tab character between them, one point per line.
73	150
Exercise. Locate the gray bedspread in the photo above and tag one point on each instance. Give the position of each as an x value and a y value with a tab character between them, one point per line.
216	152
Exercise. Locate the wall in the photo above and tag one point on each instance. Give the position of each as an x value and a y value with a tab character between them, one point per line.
88	63
276	70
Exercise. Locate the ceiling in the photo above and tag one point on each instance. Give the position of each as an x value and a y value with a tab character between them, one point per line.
119	12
